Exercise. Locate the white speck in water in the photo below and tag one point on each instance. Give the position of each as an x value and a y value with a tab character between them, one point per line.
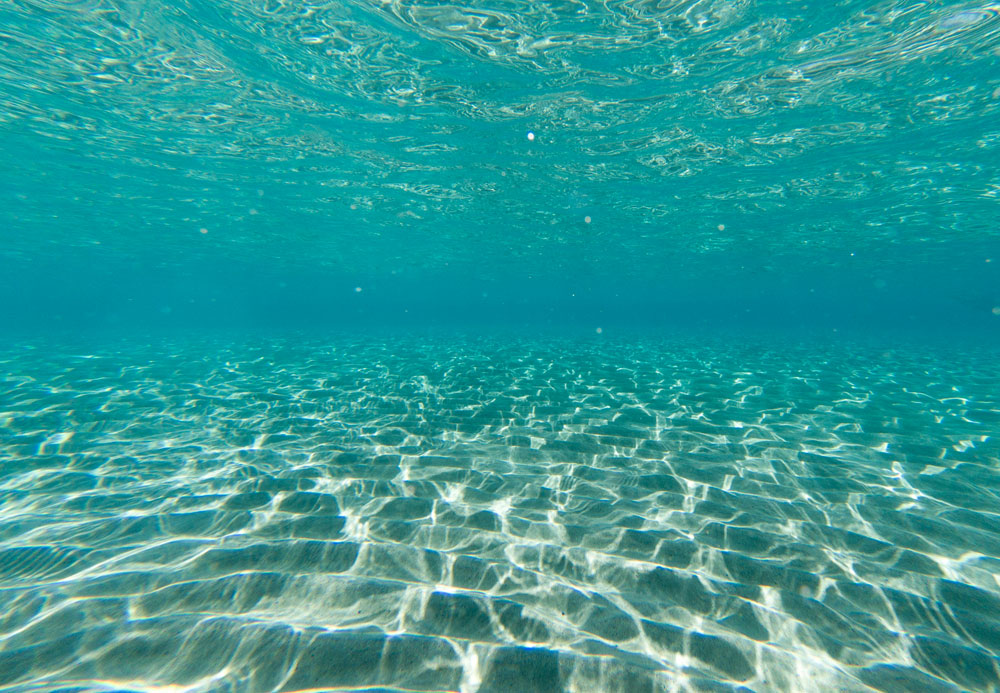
599	330
531	136
586	220
357	289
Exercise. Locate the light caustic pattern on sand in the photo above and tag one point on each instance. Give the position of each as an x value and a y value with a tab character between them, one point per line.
482	515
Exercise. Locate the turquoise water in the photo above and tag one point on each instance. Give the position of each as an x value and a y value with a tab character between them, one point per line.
573	346
728	154
481	514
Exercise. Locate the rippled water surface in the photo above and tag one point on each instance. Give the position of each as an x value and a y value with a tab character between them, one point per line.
430	514
415	135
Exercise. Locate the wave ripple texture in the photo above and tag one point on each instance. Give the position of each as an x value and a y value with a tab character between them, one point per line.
480	515
361	135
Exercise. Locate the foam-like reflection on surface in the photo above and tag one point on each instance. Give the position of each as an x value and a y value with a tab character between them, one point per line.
478	515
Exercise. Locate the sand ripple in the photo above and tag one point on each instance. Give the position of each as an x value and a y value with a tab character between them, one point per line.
488	515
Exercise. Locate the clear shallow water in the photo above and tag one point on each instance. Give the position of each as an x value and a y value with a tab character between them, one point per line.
722	150
478	514
617	346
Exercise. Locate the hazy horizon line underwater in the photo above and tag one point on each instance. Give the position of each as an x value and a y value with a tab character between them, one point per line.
499	347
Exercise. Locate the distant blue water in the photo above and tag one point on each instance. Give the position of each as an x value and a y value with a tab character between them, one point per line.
574	346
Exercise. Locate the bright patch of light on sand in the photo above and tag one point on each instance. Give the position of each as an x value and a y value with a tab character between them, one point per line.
501	507
471	677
